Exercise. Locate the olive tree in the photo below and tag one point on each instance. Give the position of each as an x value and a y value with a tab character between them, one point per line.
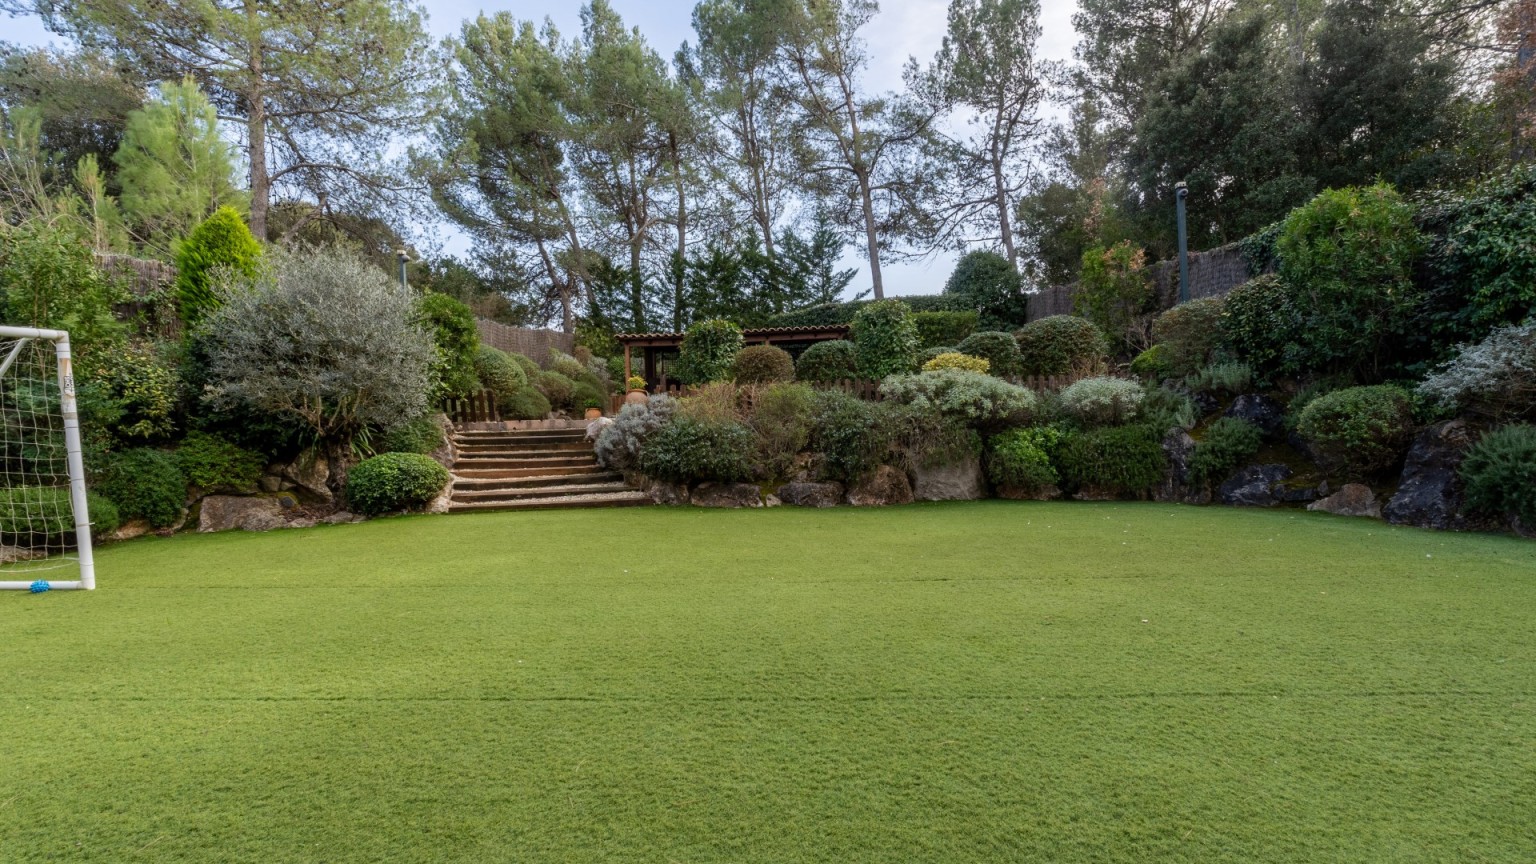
321	338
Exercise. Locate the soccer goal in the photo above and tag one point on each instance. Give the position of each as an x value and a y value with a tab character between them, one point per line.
45	529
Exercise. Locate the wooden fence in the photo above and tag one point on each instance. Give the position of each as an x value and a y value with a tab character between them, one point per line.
531	343
476	408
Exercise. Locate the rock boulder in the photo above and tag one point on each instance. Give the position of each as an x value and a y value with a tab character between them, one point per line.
1354	499
1255	486
228	512
663	492
1260	410
885	485
728	495
1430	493
1176	486
812	494
954	481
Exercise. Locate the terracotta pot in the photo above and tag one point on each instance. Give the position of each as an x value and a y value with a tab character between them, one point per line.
636	397
594	413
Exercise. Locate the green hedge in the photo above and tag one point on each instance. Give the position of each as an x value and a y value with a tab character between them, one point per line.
834	360
1358	430
762	364
1061	344
1500	474
938	329
391	482
145	484
211	462
842	313
42	516
1127	461
885	339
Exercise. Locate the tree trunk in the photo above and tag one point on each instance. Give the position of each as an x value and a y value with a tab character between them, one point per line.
1004	224
871	235
256	131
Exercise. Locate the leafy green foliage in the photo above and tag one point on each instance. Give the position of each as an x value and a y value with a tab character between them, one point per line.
558	389
1482	255
1261	323
976	400
708	351
391	482
1061	345
833	360
1153	364
956	360
1227	378
49	280
1001	351
853	436
842	313
35	517
984	281
586	396
526	364
781	425
1358	430
688	449
885	339
1120	460
1189	332
134	386
1500	474
763	364
1113	288
1165	408
1228	443
497	372
525	404
936	329
456	340
1021	458
1101	401
1495	378
211	462
145	484
1349	255
220	242
423	435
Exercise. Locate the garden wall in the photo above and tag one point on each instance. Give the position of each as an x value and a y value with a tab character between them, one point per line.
531	343
1212	273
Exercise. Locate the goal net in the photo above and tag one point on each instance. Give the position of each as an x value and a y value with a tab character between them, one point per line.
45	530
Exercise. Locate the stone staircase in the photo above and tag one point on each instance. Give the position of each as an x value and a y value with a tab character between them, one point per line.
533	468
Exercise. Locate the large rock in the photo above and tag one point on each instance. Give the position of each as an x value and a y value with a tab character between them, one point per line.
308	476
1430	493
812	494
1261	411
726	495
1355	499
953	481
663	492
228	512
1047	492
884	485
131	529
1255	486
1176	486
596	427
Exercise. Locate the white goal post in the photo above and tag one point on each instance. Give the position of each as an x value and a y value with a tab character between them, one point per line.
42	471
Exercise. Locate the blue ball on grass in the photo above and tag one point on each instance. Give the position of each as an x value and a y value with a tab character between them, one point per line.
39	586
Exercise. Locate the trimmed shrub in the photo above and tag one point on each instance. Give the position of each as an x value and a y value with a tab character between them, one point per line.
498	372
1102	401
884	339
422	435
781	424
1261	325
558	389
210	462
853	436
1230	378
619	445
456	340
1483	255
1125	461
930	353
688	450
1153	364
956	360
565	364
145	484
935	329
1495	378
525	363
525	404
1061	345
135	391
1358	430
220	242
985	281
1189	332
1226	445
391	482
842	313
1000	349
978	401
586	396
709	349
1500	474
1021	458
41	516
834	360
763	364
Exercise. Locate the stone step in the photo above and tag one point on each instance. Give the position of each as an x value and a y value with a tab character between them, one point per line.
469	496
493	462
540	435
475	473
478	483
605	499
523	447
503	453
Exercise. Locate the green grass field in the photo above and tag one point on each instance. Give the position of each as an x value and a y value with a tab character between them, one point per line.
980	682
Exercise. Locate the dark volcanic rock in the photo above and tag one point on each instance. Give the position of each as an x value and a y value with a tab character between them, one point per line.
1179	447
1430	494
1261	411
1255	486
726	495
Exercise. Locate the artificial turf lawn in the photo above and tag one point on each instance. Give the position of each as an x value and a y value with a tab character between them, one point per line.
994	681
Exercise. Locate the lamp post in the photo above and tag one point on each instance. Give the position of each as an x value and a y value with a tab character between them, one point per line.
1181	191
404	258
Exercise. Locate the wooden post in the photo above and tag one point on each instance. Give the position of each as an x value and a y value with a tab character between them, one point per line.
627	374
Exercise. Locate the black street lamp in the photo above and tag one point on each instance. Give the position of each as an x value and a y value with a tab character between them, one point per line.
1180	192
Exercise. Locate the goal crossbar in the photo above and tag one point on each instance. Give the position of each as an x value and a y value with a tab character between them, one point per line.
74	459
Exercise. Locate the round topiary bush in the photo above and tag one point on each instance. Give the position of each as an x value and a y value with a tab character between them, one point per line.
525	363
763	364
524	404
999	349
558	389
1500	474
145	484
956	360
1102	401
1061	345
709	349
586	396
1153	365
1261	325
687	449
835	360
391	482
1189	332
885	339
498	372
1358	430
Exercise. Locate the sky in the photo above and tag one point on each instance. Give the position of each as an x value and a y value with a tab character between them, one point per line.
902	29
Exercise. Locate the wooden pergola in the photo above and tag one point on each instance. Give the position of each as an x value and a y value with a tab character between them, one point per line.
655	345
